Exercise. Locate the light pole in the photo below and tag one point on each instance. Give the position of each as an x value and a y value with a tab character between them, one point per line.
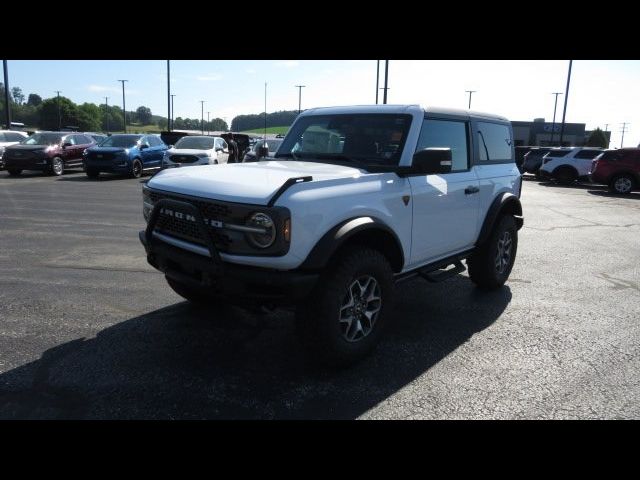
225	123
553	125
59	117
208	123
300	87
566	97
106	108
172	95
202	116
169	95
470	92
386	81
377	79
7	105
606	129
124	107
265	110
624	129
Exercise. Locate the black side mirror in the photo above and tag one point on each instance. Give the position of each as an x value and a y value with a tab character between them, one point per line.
432	161
263	152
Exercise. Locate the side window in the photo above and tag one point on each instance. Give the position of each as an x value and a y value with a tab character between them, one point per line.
83	139
151	140
447	134
14	137
217	143
70	139
589	154
224	145
494	142
145	141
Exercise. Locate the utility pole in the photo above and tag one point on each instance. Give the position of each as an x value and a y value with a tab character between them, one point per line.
7	104
202	115
208	123
172	95
106	108
300	87
386	81
566	97
265	110
553	125
168	95
606	126
225	122
470	92
624	129
377	79
124	107
59	117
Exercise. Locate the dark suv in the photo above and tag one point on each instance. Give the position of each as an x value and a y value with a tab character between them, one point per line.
533	159
620	169
50	152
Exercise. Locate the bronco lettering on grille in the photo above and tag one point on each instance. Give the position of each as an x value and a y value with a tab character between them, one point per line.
189	217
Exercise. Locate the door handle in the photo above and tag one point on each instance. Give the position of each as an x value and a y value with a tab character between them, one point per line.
471	189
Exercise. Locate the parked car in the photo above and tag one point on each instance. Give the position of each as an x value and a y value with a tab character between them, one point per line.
254	154
521	151
566	165
98	137
196	150
51	152
331	227
7	138
619	169
532	160
128	154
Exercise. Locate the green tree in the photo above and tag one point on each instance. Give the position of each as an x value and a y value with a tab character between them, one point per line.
597	139
34	99
144	115
18	96
89	117
49	113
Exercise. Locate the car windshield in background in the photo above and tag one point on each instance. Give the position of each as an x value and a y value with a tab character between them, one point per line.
42	139
121	141
272	144
195	143
368	138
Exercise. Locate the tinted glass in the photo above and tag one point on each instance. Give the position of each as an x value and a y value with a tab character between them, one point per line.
494	142
588	153
69	139
43	139
370	138
197	143
446	134
121	141
558	153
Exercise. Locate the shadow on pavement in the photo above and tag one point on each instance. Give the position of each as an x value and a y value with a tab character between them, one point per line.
608	194
180	362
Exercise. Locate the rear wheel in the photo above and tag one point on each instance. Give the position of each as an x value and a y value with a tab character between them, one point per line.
14	172
622	184
490	266
136	168
565	175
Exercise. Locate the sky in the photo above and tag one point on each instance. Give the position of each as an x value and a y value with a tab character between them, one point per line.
601	92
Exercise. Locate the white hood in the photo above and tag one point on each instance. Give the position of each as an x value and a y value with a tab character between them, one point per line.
187	151
244	182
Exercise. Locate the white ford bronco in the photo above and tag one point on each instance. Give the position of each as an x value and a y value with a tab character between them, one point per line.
356	200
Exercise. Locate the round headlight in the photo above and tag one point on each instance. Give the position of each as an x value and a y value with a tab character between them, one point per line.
265	238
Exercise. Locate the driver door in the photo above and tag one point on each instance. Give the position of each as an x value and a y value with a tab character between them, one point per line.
222	151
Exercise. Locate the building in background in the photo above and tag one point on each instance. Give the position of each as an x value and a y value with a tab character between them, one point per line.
538	133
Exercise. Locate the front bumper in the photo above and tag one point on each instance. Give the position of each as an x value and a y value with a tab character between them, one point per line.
40	164
108	166
236	283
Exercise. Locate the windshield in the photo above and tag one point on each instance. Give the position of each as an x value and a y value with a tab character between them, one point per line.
196	143
369	138
122	141
272	144
42	139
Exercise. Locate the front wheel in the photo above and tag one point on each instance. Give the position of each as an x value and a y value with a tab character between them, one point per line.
343	319
491	264
57	166
136	168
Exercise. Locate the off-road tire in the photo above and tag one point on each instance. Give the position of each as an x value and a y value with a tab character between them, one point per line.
483	269
318	319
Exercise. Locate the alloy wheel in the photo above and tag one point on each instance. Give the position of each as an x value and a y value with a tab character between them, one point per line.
360	308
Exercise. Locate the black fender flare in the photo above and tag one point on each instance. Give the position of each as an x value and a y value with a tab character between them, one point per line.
337	236
504	203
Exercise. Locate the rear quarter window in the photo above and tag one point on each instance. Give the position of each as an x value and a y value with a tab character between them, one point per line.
494	142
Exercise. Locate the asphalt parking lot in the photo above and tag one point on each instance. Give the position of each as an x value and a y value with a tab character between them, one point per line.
89	330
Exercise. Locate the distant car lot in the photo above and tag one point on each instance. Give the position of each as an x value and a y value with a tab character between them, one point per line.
89	330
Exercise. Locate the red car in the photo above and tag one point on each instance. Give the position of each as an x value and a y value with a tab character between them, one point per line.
620	169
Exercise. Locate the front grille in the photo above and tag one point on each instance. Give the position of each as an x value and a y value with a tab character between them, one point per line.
188	230
184	158
101	156
22	155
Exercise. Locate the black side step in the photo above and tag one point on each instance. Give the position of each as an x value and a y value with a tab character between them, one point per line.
435	276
